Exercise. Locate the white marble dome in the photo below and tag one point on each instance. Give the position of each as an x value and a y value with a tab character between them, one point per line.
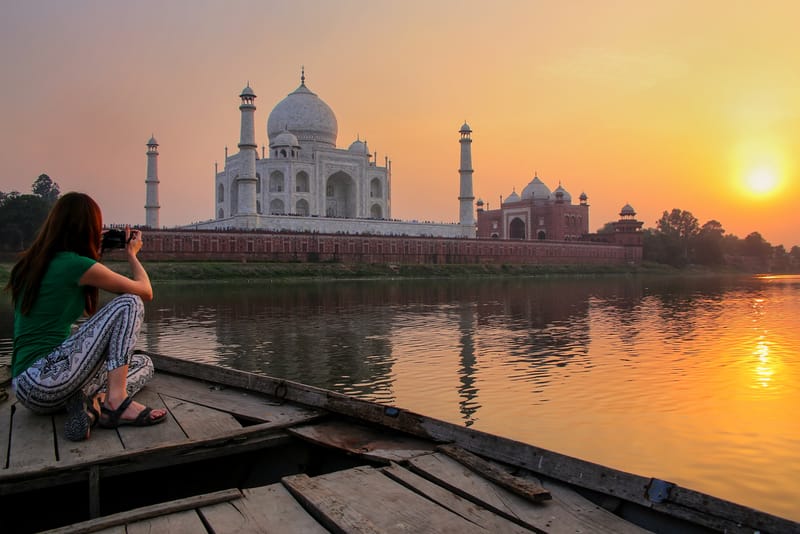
285	138
536	189
513	197
306	116
359	147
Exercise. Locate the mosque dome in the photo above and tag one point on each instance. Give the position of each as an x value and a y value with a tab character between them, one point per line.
513	197
152	141
564	194
627	209
359	147
536	189
285	138
306	115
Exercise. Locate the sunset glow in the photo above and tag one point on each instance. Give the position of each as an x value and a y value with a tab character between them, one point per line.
602	97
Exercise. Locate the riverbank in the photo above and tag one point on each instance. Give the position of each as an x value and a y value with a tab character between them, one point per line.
237	271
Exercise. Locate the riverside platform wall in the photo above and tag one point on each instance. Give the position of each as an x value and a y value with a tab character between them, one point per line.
244	246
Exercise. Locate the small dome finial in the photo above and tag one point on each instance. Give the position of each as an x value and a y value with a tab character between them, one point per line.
302	74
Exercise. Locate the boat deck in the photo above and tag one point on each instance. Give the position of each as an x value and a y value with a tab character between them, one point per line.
255	463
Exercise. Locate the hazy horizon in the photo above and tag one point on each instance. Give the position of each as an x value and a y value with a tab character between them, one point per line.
660	105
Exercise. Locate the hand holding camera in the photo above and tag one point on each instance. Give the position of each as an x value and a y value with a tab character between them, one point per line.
115	238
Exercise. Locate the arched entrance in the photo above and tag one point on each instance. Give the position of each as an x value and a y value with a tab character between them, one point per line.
340	196
541	236
516	230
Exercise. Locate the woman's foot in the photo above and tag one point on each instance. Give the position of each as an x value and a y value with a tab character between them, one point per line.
129	412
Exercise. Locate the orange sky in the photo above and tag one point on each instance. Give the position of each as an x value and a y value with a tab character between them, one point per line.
658	104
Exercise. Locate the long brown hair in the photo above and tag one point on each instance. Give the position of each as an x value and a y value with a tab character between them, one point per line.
74	224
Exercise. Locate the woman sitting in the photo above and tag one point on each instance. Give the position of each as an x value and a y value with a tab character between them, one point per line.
93	372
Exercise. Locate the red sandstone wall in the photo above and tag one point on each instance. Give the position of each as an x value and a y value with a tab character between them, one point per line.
162	245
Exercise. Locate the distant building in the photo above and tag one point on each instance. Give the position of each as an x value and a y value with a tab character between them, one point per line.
302	182
537	214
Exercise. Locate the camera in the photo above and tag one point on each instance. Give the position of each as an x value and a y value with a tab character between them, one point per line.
114	238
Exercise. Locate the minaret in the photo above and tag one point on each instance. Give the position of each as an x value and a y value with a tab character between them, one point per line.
465	198
246	182
151	206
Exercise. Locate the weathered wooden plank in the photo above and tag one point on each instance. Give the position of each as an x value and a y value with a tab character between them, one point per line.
113	530
548	516
198	421
148	512
363	499
5	431
187	522
524	488
101	441
263	509
148	436
463	507
32	442
373	443
14	480
244	404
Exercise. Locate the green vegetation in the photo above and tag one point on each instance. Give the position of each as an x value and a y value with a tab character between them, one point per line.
679	240
22	215
187	271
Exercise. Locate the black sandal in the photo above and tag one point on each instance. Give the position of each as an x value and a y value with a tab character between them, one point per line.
113	418
78	422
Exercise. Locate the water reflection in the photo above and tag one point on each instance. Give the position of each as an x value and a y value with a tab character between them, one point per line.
695	379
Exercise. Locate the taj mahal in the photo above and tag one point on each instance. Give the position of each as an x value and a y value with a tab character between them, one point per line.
302	182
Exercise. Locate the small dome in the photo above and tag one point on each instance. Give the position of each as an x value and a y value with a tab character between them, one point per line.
513	197
536	189
561	192
285	138
479	202
465	128
248	91
627	209
583	197
359	147
152	141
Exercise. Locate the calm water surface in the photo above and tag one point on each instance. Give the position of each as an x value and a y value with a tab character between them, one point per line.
695	380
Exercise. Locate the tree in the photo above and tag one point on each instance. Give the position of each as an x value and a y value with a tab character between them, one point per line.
677	229
22	215
46	189
707	245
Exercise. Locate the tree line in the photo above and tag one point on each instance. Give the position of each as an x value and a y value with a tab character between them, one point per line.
678	239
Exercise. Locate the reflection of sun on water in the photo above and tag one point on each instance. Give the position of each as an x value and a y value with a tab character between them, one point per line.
764	369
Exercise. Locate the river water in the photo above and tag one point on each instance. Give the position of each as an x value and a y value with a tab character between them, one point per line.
695	380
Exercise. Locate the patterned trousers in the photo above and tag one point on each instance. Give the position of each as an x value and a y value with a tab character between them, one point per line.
102	343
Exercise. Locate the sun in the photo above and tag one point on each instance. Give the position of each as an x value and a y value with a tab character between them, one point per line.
762	181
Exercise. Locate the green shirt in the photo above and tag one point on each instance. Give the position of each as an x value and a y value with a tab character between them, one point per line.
60	303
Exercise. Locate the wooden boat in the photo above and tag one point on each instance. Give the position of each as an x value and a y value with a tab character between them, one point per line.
242	452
